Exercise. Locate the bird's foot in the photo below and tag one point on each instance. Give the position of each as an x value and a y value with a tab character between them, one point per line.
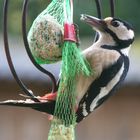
48	97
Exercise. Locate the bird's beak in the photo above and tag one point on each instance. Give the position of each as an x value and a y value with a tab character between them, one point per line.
96	23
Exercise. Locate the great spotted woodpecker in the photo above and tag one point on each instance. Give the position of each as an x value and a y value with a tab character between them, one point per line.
108	57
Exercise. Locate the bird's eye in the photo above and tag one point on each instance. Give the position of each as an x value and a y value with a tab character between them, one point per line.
115	23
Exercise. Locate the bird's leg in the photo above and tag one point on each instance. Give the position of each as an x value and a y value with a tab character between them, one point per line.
48	97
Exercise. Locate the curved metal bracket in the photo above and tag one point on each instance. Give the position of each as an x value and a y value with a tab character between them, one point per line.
51	76
112	6
8	56
99	12
98	7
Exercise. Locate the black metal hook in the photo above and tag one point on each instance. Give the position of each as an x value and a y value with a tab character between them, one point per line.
8	56
112	6
98	7
52	77
99	13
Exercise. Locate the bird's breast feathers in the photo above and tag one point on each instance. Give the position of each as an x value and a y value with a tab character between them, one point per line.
99	60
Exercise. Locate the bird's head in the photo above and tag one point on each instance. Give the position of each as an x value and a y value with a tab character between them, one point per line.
120	32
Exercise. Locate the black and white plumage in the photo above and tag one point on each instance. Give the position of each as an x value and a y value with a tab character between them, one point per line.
108	57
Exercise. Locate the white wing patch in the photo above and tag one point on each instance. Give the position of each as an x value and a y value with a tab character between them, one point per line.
19	101
126	51
85	113
105	90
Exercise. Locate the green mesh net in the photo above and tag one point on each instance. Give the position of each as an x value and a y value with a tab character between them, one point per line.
73	64
46	34
55	9
63	124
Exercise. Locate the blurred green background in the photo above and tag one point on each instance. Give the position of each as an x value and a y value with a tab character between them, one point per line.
128	10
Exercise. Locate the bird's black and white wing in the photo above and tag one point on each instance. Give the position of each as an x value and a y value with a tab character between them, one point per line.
47	106
104	85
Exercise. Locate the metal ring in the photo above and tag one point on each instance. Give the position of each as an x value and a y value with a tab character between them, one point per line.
112	6
52	77
98	6
99	13
8	56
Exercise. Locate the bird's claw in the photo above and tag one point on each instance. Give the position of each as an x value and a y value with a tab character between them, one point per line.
48	97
